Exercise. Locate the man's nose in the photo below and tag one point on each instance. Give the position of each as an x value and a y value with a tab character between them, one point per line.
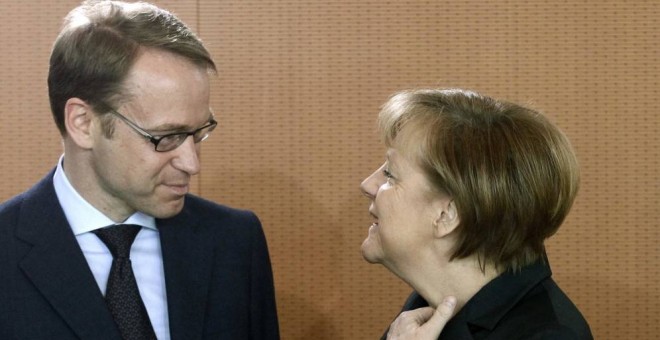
187	159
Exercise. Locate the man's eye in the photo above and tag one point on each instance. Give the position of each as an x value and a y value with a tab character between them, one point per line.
387	174
170	139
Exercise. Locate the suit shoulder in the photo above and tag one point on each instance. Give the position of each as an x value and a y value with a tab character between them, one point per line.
37	192
547	313
209	209
9	209
224	227
205	206
554	332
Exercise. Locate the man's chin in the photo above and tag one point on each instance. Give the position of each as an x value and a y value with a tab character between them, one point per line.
170	209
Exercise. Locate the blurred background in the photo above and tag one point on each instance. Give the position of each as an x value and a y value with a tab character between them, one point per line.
299	87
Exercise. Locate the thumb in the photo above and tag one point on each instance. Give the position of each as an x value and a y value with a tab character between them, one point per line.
441	316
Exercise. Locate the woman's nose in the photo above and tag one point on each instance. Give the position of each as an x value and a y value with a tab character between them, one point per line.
370	185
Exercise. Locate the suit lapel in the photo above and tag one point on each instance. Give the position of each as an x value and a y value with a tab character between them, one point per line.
187	264
57	267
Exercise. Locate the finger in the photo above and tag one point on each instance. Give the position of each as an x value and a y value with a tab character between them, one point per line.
413	318
421	315
409	321
440	316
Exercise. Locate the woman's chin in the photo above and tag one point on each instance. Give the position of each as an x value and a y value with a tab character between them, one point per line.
370	251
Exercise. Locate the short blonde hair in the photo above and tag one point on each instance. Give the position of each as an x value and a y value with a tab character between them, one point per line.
512	174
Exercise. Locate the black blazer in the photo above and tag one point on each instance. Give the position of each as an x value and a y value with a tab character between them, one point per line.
217	273
524	305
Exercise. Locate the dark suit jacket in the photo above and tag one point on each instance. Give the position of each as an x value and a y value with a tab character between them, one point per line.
523	305
217	272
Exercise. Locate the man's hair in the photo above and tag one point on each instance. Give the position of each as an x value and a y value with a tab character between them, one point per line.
512	174
99	43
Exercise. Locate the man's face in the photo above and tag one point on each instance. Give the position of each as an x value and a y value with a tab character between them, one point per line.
168	94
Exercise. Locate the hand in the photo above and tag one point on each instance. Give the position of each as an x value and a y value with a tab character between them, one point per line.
422	323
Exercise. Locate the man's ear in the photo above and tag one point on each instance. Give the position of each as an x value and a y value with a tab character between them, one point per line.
79	122
446	219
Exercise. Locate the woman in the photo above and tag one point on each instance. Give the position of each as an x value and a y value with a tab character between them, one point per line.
470	189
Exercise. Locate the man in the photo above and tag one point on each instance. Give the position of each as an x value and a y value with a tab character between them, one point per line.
129	92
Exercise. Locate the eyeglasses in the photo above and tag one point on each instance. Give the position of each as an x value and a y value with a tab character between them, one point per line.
170	141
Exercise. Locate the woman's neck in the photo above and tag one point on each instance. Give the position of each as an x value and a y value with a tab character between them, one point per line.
461	278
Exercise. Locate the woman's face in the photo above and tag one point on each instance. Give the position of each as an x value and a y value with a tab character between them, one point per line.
404	208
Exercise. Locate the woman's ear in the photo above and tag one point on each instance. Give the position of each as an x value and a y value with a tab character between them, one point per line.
78	120
446	219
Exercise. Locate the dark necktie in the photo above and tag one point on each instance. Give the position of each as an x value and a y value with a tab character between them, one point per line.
122	295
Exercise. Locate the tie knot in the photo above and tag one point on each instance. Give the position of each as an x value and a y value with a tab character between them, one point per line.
118	238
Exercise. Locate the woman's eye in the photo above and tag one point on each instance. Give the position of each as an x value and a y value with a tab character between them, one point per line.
387	174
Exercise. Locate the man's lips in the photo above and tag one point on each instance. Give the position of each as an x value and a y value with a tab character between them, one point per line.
179	189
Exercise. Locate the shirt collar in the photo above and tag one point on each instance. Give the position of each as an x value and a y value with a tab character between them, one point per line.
82	216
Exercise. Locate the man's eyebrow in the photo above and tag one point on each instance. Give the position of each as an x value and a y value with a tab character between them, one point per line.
175	128
166	128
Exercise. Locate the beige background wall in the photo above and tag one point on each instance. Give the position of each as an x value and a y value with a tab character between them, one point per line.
299	87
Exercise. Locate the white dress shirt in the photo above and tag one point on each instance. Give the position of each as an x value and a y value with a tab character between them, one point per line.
146	255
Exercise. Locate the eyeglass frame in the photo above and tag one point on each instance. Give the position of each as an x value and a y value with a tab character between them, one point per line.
155	140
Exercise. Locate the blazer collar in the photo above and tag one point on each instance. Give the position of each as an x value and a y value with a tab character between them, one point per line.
56	266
